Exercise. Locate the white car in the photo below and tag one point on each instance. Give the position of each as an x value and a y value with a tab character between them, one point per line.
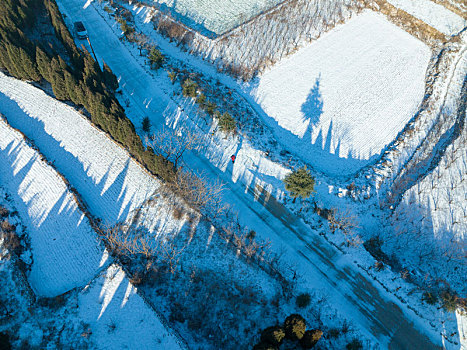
80	30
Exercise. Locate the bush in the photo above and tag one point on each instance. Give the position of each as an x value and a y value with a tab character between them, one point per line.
449	301
172	76
156	58
201	101
4	341
227	123
355	344
310	338
189	88
264	346
334	333
4	212
295	327
430	298
126	29
7	227
210	108
146	125
303	300
273	335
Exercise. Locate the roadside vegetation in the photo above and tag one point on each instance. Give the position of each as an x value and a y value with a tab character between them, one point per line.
71	72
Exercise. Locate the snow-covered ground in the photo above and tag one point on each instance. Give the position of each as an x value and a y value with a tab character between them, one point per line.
217	16
65	250
149	94
339	101
118	317
102	177
435	15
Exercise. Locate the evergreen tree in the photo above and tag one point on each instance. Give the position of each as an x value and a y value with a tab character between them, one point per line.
43	64
156	58
300	183
227	123
110	79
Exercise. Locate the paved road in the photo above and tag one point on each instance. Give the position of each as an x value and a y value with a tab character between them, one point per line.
349	290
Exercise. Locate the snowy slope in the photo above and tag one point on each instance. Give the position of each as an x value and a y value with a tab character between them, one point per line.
111	183
217	16
118	317
65	250
435	15
340	100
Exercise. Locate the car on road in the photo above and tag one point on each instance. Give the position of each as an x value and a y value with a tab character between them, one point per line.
80	30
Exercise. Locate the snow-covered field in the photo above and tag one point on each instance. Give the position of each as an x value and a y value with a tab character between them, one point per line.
109	181
435	15
217	16
101	177
118	317
65	250
339	101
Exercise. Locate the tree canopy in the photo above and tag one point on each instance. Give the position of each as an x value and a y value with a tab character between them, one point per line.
300	183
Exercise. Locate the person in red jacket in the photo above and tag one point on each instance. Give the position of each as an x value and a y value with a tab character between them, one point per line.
233	158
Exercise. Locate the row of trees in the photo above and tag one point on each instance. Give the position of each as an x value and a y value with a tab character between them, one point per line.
81	81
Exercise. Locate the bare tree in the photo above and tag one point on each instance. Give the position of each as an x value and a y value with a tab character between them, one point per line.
172	144
200	194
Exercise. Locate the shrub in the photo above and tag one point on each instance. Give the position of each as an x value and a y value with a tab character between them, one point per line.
7	227
295	327
172	76
146	125
303	300
300	183
201	101
273	335
11	241
156	58
5	341
334	333
4	212
210	108
264	346
310	338
227	123
251	235
189	88
449	301
126	29
430	298
355	344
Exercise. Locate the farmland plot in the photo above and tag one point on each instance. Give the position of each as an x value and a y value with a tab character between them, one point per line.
215	16
435	15
339	101
64	246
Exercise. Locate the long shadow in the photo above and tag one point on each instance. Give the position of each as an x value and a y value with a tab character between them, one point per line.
318	153
312	108
51	273
107	204
434	249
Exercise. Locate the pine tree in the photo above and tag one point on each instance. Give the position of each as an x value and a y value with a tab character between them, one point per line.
156	58
43	64
110	79
300	183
